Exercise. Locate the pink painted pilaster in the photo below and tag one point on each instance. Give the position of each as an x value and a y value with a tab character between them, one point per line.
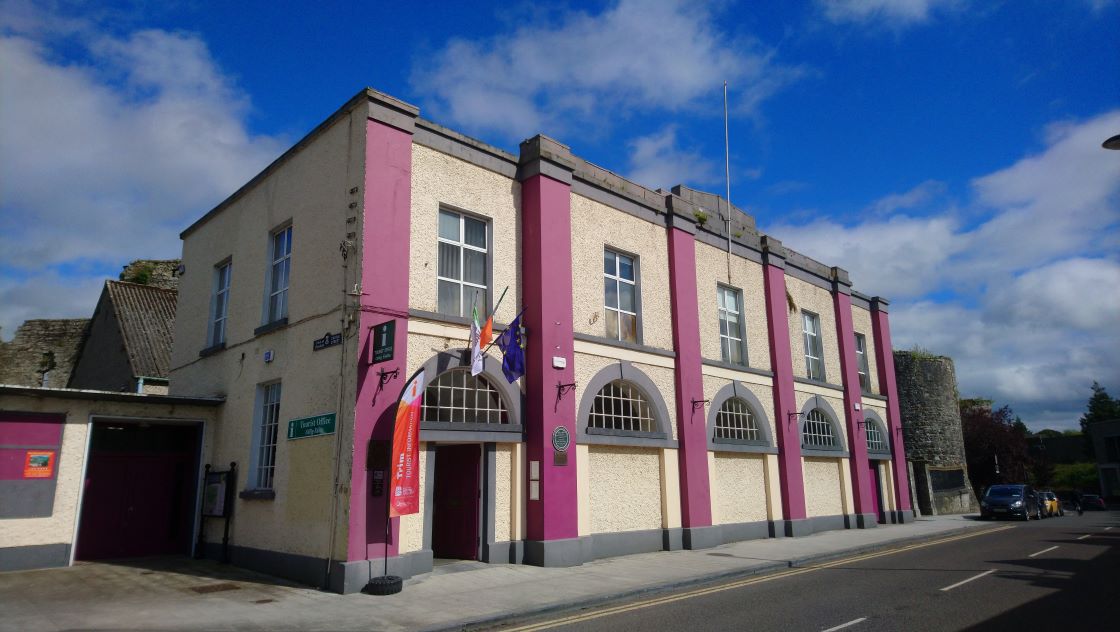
853	418
696	505
546	254
884	358
386	238
791	480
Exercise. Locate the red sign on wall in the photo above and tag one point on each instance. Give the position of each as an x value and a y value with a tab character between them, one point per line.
39	464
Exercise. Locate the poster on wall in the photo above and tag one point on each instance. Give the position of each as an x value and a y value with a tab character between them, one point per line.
405	479
39	464
214	495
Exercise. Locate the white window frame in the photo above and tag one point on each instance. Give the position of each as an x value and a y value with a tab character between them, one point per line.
280	258
861	363
813	432
618	280
219	301
877	436
814	348
736	422
266	434
728	341
463	246
621	407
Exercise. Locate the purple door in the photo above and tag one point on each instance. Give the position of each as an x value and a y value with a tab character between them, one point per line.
876	490
455	517
139	491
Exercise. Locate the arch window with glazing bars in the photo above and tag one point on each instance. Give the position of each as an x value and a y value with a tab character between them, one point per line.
456	396
736	422
621	406
876	442
817	431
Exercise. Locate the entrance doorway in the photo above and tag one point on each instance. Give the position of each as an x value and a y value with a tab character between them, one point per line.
876	491
455	518
139	498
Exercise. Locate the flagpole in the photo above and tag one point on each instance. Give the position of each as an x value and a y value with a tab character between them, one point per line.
495	340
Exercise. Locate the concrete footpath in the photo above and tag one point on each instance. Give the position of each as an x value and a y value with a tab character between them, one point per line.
180	594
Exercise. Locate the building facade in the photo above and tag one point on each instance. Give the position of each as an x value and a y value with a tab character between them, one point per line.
689	381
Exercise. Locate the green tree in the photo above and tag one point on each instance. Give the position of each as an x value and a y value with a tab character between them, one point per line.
1101	407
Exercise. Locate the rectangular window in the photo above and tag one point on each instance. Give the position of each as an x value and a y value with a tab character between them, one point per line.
462	273
814	363
730	308
620	289
861	357
220	301
279	275
268	426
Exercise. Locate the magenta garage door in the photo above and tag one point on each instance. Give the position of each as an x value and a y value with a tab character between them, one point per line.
139	490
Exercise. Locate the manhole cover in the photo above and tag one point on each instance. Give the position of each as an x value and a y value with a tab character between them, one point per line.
213	588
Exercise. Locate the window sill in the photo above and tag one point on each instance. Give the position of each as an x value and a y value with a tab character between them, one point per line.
257	494
731	445
821	383
879	456
624	345
270	327
825	453
209	351
742	368
602	436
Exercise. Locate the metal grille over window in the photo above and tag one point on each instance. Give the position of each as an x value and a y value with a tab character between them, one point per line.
620	296
621	406
811	328
875	440
817	431
456	396
270	423
735	421
462	266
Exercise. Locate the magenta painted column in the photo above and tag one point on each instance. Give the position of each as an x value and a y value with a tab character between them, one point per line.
696	504
386	238
552	527
884	358
853	402
791	481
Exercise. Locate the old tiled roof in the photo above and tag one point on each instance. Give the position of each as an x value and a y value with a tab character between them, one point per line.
146	316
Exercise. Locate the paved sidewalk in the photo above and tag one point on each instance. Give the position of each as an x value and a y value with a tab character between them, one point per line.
177	594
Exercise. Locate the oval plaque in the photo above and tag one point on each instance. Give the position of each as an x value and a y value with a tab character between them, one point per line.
561	439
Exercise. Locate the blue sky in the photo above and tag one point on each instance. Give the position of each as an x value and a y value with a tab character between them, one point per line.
946	152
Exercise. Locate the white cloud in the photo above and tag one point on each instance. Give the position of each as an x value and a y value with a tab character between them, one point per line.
635	56
1026	301
918	196
656	161
107	159
888	12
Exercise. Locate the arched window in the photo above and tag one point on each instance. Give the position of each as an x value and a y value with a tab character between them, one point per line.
621	406
457	396
817	432
876	437
735	421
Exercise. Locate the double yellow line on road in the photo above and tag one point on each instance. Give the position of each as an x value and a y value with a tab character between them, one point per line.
700	592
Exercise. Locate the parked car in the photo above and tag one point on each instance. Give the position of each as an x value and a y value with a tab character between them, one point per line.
1052	506
1010	501
1092	501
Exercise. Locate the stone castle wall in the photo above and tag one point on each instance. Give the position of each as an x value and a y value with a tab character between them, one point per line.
42	346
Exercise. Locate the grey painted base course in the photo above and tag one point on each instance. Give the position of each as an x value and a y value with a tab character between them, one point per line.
351	577
22	558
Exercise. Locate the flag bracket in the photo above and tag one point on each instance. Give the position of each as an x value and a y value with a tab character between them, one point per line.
384	376
564	388
700	403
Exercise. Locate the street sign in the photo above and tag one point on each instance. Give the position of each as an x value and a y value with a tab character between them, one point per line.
383	339
328	340
311	426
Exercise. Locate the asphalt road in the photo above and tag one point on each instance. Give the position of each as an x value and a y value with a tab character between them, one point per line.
1059	572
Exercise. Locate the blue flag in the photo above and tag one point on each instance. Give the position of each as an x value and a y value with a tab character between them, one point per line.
512	345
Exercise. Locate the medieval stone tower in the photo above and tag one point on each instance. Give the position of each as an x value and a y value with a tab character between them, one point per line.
931	428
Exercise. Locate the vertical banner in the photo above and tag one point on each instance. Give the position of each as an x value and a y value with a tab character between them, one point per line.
405	481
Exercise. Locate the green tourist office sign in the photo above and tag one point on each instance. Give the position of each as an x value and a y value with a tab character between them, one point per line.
311	426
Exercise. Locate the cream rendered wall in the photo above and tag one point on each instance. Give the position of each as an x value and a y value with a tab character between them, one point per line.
596	226
819	301
861	323
590	358
746	275
58	528
738	487
625	488
438	178
311	189
503	491
823	494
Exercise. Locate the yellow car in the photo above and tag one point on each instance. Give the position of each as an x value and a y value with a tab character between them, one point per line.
1051	506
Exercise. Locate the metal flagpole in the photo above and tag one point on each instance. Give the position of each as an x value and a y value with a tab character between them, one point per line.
727	176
